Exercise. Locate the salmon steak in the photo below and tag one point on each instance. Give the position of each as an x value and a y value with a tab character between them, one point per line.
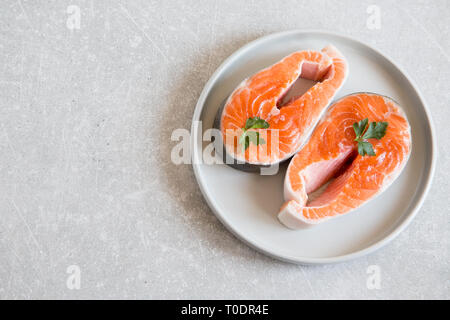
342	172
259	128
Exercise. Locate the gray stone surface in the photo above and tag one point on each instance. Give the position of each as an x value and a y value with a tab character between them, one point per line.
86	117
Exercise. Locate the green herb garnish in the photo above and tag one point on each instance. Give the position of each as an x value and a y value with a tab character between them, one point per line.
364	131
253	136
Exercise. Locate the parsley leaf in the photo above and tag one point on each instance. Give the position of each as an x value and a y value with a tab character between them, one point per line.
365	148
252	136
364	130
256	123
376	130
359	127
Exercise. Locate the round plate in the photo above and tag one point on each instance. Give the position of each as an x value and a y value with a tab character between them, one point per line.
247	203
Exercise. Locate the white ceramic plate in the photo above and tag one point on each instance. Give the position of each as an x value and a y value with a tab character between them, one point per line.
248	203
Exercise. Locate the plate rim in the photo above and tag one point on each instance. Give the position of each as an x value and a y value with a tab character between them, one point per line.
248	239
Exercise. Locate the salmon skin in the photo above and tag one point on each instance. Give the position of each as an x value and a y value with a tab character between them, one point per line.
288	125
331	156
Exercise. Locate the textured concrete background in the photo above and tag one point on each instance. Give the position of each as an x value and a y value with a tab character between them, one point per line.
85	122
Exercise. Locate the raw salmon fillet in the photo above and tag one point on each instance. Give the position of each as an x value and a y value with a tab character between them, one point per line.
331	156
289	124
